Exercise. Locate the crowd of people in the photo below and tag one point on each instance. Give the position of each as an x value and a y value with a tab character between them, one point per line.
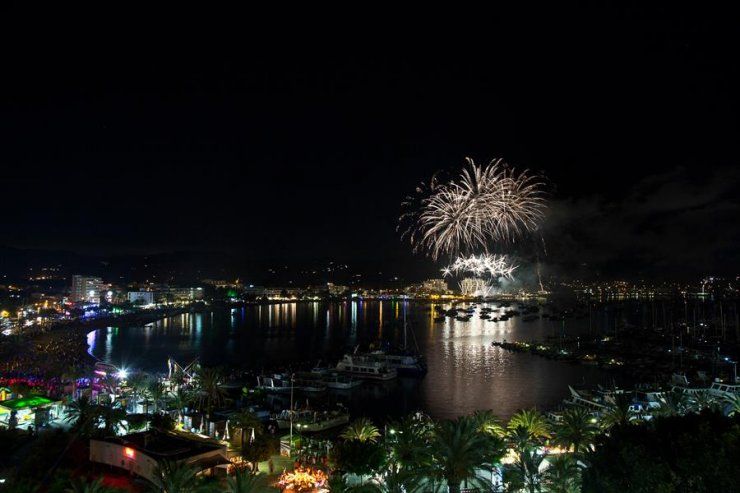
54	355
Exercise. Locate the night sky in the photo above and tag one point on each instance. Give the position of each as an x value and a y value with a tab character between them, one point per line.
292	140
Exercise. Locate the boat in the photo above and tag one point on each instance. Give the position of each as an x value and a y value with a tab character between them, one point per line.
340	382
366	366
405	361
330	379
312	421
404	364
281	384
275	383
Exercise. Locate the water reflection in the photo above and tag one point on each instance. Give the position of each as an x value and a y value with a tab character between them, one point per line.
465	372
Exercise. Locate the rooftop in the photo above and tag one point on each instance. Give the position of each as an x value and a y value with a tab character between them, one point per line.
165	445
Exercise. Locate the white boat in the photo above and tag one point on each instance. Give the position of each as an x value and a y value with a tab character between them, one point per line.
366	366
312	421
404	364
332	379
275	383
282	384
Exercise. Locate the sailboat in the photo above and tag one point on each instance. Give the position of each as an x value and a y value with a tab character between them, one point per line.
405	361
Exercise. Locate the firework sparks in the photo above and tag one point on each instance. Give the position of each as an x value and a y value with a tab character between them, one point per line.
494	266
483	205
473	286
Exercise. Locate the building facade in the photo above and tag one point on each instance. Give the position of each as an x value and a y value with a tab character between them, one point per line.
141	297
86	289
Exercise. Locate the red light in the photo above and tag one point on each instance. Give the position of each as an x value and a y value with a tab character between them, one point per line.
129	452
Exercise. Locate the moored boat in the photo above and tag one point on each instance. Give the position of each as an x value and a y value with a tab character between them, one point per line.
312	421
366	366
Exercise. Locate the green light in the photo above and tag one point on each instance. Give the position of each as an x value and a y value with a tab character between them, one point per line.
26	402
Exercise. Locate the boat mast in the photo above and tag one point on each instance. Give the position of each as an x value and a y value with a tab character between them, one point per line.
405	334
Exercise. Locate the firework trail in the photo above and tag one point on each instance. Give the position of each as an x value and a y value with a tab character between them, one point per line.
482	206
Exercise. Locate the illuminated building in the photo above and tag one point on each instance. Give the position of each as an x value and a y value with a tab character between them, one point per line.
141	297
336	289
183	294
86	289
435	286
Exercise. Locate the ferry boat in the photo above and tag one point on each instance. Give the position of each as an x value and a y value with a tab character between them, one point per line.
366	366
717	389
312	421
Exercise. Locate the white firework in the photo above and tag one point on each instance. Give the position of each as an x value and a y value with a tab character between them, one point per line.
493	266
474	286
484	205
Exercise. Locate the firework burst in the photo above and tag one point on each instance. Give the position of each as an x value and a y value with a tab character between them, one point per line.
483	205
493	266
473	286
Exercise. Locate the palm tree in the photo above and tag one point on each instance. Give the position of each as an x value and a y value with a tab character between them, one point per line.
245	420
459	451
524	443
155	389
673	404
733	402
179	400
532	421
408	454
619	412
210	390
83	415
84	485
563	475
138	383
703	400
361	430
111	418
576	430
489	423
243	482
408	445
179	478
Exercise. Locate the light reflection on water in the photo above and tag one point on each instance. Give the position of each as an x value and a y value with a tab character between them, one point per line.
465	372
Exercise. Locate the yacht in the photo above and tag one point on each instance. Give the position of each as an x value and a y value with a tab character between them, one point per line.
276	383
329	379
366	366
404	364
